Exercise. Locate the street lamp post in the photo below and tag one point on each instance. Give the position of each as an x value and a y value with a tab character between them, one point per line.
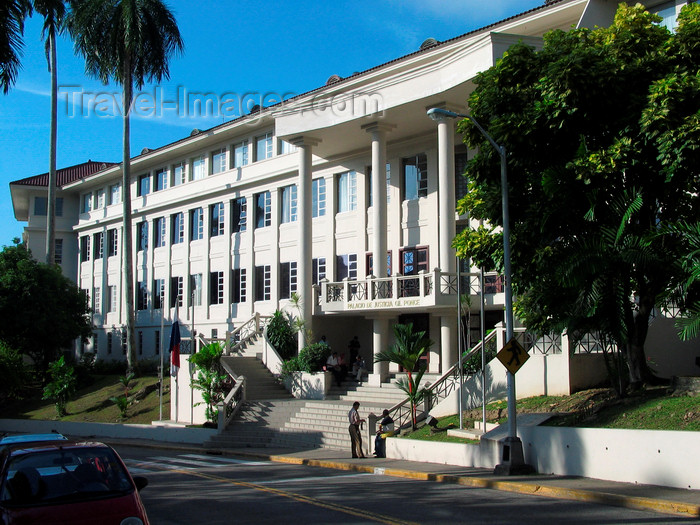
512	458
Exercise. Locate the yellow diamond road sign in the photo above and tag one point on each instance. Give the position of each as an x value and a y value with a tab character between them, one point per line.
513	356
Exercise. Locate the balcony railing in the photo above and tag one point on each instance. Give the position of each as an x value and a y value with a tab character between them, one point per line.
435	288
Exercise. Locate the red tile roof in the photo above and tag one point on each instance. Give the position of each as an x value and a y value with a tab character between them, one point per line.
66	175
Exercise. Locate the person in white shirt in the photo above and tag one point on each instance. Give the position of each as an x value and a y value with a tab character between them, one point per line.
333	365
354	428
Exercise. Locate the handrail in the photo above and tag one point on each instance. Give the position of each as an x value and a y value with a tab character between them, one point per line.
437	391
245	332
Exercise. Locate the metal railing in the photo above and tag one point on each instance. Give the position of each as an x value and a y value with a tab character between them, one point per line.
229	407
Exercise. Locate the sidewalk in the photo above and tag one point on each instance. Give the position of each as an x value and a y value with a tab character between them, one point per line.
645	497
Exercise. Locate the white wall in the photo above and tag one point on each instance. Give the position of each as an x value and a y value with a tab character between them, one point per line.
183	397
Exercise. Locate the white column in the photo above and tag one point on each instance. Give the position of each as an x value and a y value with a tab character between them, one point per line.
379	222
380	340
304	266
446	193
448	342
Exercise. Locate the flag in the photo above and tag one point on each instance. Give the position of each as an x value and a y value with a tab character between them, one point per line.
175	346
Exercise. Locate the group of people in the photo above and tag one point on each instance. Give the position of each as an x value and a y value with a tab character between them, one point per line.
337	365
385	430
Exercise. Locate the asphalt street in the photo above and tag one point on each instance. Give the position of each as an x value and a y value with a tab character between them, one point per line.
193	487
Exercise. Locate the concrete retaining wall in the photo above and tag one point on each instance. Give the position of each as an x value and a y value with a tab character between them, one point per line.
650	457
162	433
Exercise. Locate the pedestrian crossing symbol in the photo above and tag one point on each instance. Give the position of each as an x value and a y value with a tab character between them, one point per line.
513	356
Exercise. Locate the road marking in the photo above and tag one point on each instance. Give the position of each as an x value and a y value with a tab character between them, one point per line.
372	516
318	478
220	459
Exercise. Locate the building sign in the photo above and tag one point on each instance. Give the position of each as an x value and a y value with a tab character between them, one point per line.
383	303
513	356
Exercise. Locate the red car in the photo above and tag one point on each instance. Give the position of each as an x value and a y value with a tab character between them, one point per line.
46	478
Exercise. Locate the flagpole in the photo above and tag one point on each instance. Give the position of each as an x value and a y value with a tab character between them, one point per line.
160	349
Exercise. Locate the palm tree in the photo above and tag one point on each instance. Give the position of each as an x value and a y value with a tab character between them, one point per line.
406	352
12	15
54	12
129	41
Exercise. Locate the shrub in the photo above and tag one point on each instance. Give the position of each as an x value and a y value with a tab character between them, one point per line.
62	385
210	377
13	373
311	359
281	336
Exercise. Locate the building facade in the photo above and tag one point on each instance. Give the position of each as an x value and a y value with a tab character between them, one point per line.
299	198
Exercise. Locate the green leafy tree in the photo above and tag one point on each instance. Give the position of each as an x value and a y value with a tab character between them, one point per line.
407	350
130	42
280	334
61	385
41	311
13	373
210	378
12	16
601	130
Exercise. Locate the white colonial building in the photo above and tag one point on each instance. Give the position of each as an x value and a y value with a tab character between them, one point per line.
299	197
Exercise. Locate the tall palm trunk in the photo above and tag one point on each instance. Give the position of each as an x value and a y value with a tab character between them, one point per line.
51	197
127	254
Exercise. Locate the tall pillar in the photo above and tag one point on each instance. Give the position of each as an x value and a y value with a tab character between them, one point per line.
378	132
304	262
448	342
446	193
380	340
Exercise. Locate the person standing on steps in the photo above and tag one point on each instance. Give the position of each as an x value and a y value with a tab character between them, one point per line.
354	428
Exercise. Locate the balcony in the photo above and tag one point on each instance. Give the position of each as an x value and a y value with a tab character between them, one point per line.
435	289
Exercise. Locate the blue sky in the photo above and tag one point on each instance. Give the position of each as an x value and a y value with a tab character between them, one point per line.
242	47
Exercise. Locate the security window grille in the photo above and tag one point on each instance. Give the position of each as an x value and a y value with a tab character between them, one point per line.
346	267
415	177
142	297
370	186
159	232
112	242
318	270
216	288
86	204
178	173
370	264
178	228
112	299
98	244
58	251
196	224
97	300
196	289
318	197
347	191
240	154
158	293
84	248
288	279
123	339
263	209
289	204
144	187
216	219
238	285
414	260
115	193
40	206
263	147
238	214
218	161
142	233
177	291
262	283
198	168
161	179
461	180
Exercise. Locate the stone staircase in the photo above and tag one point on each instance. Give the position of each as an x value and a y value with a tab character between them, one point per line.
296	423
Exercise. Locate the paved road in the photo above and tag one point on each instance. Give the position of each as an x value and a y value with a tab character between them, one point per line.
192	488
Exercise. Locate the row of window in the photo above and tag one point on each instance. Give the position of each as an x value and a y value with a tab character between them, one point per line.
414	180
413	261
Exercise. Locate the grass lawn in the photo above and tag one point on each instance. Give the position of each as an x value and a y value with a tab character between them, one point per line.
92	403
650	409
